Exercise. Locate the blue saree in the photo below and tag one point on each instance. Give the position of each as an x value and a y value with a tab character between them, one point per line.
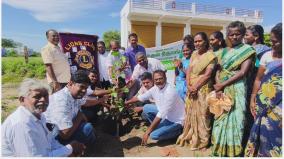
266	134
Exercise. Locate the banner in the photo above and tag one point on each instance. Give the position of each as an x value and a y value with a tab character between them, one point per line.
166	53
80	49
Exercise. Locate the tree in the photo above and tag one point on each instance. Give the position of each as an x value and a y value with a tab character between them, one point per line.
9	43
12	53
111	35
267	40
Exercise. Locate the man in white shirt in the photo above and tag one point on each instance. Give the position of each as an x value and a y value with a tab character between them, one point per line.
145	64
117	62
56	63
147	84
64	111
103	69
25	133
167	115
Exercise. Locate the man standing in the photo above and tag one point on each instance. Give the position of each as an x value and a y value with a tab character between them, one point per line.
117	63
103	69
56	63
64	111
26	54
167	115
133	49
25	133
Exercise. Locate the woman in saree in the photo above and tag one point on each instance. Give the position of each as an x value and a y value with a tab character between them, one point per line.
217	42
234	65
255	37
196	132
182	66
266	134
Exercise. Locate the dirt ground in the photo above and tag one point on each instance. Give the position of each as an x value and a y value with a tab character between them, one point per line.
126	145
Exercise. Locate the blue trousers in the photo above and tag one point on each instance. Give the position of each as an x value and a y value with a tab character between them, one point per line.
84	134
166	129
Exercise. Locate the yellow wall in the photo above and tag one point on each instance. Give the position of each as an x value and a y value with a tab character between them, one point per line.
172	32
207	29
146	32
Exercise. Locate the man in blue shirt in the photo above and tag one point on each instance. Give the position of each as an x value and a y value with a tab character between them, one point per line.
133	49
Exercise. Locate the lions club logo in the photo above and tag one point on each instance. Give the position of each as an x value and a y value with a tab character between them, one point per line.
84	59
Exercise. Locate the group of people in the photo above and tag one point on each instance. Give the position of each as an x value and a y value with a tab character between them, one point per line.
242	72
243	80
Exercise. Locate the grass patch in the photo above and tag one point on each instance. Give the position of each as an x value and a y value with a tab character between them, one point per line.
6	111
12	97
14	69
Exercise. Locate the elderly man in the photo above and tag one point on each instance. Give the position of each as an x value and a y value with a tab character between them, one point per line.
103	69
116	61
56	63
64	112
167	115
145	64
25	133
133	49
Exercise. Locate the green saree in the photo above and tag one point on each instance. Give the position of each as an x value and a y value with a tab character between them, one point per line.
228	129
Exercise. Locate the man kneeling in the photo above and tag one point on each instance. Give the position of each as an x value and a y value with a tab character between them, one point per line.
167	115
64	111
25	133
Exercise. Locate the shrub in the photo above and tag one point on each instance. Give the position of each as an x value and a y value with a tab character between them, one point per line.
14	69
12	53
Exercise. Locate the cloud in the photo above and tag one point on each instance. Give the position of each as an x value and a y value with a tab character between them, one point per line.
57	10
114	14
73	30
33	35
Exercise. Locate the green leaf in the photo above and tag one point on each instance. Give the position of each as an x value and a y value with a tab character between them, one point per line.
115	53
123	59
114	94
144	129
125	90
122	75
109	36
116	63
120	109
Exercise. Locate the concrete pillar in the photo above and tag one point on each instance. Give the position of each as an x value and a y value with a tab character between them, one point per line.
158	34
128	31
123	26
224	31
233	12
193	8
187	29
256	14
164	3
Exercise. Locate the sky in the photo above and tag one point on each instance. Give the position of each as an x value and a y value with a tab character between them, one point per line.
26	21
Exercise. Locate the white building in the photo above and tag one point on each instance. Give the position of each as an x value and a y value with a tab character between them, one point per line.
160	22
